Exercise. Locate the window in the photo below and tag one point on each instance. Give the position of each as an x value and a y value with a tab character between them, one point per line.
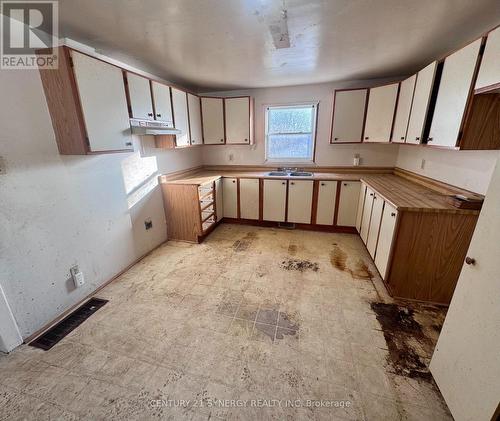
291	132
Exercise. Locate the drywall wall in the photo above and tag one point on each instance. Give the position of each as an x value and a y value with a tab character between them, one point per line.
63	210
469	170
326	154
10	337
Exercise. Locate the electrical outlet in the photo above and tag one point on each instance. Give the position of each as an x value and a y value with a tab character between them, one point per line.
148	224
77	275
422	164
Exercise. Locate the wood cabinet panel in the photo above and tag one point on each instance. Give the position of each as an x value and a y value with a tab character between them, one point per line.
181	118
103	102
274	198
162	102
452	96
212	111
300	193
367	213
230	197
361	204
195	119
377	209
489	72
249	198
139	92
348	203
385	239
349	108
403	109
380	113
237	118
327	196
421	101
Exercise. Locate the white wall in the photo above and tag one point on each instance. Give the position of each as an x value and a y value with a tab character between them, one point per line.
326	154
470	170
60	210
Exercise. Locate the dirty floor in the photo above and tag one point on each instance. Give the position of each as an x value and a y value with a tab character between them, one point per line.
253	324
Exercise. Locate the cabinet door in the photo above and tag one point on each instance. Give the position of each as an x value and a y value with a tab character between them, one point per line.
195	119
403	110
377	209
237	112
300	194
420	106
140	97
230	197
348	115
104	103
274	200
348	203
327	195
249	198
452	97
179	105
380	113
385	237
367	213
219	199
212	111
163	104
489	72
361	203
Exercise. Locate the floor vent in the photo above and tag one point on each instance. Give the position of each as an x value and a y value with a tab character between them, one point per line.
286	225
68	324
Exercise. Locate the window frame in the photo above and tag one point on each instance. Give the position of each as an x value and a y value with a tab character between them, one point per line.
292	160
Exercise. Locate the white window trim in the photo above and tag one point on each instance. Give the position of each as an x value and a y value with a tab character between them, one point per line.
314	104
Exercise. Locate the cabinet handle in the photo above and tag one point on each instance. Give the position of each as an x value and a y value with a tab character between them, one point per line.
222	140
371	194
158	115
366	138
284	182
417	138
470	260
128	143
345	184
429	139
234	181
150	114
322	184
375	198
292	183
246	140
336	138
393	214
402	138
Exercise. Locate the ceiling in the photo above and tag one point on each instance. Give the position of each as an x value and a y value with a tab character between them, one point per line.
228	44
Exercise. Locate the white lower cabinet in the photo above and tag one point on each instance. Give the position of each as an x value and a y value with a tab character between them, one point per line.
274	200
385	237
300	193
327	195
361	202
378	207
348	203
230	197
219	202
249	198
367	213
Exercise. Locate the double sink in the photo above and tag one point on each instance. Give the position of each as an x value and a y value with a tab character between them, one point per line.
290	174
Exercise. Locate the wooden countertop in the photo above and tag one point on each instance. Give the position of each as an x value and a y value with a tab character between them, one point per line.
403	194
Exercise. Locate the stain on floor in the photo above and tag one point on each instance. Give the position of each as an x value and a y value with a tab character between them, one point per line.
407	339
338	258
299	265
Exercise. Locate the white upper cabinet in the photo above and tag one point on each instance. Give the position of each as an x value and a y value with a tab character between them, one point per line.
140	97
380	113
212	111
403	109
489	72
454	87
327	195
274	200
195	119
348	115
420	106
300	193
237	113
179	105
162	102
348	203
103	102
249	198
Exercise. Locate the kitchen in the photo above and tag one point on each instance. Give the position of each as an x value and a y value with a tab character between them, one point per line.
323	233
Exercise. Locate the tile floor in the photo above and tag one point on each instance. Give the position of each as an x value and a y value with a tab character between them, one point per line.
253	324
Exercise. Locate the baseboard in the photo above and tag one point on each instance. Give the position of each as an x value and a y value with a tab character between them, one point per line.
308	227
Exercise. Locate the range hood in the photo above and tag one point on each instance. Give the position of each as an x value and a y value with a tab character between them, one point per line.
152	128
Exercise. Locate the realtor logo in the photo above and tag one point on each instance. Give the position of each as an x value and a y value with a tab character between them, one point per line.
29	31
